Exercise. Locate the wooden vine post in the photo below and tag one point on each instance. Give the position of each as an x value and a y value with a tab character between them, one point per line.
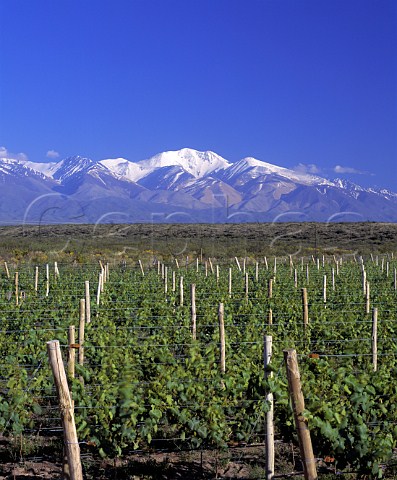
270	288
87	302
36	279
16	288
298	406
193	306
6	269
47	276
72	446
181	291
211	266
98	294
367	298
221	318
141	267
270	413
375	339
81	330
270	317
364	279
305	307
71	351
238	264
246	287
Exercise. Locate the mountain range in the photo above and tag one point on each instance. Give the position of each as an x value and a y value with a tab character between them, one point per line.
184	186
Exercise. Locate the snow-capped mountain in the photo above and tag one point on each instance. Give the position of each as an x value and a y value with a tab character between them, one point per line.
181	186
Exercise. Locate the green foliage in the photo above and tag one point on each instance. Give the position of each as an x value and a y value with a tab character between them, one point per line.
145	381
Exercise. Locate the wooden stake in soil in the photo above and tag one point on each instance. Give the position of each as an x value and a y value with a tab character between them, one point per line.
246	287
211	266
256	272
230	282
71	351
270	317
194	316
81	330
166	280
6	269
367	299
102	280
364	277
298	406
238	263
305	307
16	288
66	409
141	267
98	293
270	288
181	291
47	276
270	414
221	319
36	279
375	339
87	302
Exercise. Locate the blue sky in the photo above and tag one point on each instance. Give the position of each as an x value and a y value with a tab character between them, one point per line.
291	82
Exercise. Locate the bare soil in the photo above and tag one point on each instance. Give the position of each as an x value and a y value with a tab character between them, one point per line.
240	462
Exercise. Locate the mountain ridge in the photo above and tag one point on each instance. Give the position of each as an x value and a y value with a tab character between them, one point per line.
187	185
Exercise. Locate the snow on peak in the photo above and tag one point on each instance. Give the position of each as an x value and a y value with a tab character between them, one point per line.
198	164
259	167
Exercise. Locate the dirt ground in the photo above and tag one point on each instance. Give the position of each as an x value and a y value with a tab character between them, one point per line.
242	462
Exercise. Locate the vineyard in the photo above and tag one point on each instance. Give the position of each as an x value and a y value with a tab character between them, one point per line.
151	369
